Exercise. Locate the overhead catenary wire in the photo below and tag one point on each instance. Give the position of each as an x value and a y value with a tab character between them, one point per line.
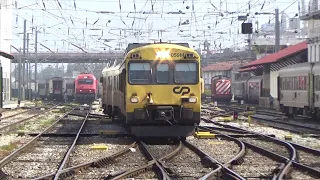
139	23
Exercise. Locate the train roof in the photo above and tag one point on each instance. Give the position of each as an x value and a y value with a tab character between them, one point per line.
137	45
87	74
163	46
57	78
296	69
255	79
113	68
220	76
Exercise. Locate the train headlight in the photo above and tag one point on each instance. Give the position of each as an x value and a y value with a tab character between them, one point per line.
134	100
192	100
80	90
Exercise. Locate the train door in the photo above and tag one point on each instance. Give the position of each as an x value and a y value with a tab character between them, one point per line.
254	91
57	87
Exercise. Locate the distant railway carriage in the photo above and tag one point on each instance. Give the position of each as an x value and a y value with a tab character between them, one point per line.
42	90
86	87
254	87
221	88
299	90
70	88
239	89
57	87
156	90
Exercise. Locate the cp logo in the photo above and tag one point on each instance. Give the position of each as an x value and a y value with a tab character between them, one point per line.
184	90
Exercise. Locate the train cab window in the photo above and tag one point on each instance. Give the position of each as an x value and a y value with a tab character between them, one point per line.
85	81
163	73
139	73
186	73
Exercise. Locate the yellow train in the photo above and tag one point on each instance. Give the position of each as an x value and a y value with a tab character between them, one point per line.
156	90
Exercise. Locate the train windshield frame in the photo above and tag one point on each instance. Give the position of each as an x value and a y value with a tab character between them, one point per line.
85	81
140	72
186	72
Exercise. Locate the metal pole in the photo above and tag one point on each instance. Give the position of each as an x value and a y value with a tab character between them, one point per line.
15	75
29	79
35	64
1	86
19	72
24	55
28	66
277	31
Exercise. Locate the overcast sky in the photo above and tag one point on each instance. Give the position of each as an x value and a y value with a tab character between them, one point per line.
97	24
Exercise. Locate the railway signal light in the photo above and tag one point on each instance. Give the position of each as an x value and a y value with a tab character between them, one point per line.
235	115
246	28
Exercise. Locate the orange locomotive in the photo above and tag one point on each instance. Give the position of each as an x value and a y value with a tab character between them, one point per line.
86	87
221	89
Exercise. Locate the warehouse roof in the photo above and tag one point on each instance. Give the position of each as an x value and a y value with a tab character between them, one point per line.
220	66
6	55
284	53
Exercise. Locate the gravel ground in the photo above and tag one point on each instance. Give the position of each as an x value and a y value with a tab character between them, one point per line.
295	174
268	145
18	118
42	159
38	124
150	175
91	127
186	165
158	151
70	125
12	112
8	143
83	153
309	159
128	161
255	166
220	149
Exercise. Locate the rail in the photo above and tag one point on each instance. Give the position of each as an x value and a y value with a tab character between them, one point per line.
16	152
289	162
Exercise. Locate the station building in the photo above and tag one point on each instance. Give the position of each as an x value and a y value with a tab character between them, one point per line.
312	17
5	45
268	67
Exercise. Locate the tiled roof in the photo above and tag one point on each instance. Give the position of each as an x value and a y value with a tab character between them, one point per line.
248	69
221	66
291	50
6	55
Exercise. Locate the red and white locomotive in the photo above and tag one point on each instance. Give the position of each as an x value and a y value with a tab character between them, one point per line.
221	89
86	87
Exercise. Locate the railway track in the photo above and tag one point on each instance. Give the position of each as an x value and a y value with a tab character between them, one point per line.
287	158
273	119
9	121
41	154
141	160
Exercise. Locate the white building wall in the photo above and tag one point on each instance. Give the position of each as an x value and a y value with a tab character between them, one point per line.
5	44
314	48
274	83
